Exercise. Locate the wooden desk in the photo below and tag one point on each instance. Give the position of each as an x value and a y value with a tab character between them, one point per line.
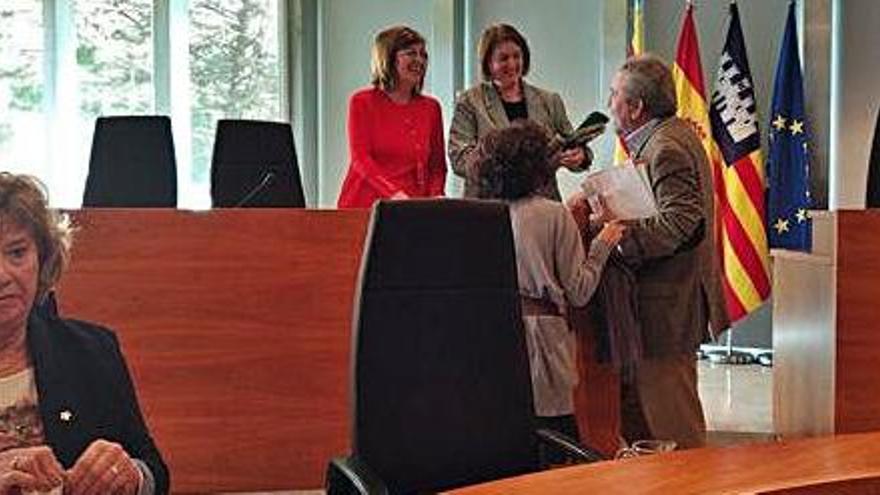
235	325
846	464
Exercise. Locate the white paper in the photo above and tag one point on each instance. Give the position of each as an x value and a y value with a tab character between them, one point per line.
623	189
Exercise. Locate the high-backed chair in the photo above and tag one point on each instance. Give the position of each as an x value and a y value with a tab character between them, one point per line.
441	386
872	194
132	163
254	164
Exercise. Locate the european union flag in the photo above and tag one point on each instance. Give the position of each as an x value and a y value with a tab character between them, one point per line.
788	169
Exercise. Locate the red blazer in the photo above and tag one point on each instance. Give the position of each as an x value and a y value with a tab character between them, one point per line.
392	147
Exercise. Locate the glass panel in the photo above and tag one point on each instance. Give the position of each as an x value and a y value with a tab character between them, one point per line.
114	57
235	71
22	87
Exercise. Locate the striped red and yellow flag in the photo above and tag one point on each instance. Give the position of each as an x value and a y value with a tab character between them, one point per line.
690	91
739	172
636	47
637	37
689	88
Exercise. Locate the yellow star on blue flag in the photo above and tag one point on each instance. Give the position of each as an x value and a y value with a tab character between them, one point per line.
781	226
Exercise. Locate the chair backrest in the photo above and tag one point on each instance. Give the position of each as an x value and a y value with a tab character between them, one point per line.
442	394
872	194
254	165
132	163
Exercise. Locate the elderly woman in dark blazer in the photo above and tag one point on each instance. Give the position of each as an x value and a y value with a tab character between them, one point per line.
69	418
502	98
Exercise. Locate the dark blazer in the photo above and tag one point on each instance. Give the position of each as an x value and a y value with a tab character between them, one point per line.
678	270
85	393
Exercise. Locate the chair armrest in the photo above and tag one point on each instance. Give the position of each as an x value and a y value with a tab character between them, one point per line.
350	476
570	446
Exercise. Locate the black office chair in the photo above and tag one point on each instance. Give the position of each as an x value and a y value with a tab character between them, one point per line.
254	164
132	163
872	192
441	394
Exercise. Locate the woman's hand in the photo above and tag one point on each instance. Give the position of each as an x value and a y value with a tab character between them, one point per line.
104	467
29	469
573	158
580	209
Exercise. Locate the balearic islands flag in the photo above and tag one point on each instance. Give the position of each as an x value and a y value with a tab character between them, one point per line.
739	178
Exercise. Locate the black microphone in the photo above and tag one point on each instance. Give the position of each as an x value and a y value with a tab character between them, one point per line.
265	182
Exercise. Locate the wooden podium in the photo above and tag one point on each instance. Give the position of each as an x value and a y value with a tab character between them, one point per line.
826	329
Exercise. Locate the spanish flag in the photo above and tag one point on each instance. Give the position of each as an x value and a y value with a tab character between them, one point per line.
691	94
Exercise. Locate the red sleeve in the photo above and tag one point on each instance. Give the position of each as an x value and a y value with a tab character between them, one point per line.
437	163
360	147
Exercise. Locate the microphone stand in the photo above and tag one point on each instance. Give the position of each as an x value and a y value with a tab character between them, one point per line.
264	182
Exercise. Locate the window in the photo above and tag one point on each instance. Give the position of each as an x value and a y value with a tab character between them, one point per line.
235	69
104	58
22	86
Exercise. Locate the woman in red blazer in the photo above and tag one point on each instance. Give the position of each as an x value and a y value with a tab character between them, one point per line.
395	134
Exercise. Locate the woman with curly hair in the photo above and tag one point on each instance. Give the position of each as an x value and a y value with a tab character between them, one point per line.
554	272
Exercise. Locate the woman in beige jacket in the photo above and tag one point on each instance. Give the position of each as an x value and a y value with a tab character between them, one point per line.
502	98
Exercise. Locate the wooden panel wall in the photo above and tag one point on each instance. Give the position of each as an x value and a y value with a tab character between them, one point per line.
857	405
236	328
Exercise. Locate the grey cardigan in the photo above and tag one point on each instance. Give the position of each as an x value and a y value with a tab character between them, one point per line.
551	265
480	110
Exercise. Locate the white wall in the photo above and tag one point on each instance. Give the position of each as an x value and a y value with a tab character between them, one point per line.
855	88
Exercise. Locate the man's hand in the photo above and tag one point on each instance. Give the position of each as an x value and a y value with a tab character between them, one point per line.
612	232
572	158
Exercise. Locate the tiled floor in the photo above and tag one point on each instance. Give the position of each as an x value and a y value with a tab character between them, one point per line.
737	398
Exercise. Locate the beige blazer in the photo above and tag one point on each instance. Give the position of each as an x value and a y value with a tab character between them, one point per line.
480	110
678	270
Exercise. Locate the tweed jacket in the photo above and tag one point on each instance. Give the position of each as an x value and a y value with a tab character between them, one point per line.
480	110
674	253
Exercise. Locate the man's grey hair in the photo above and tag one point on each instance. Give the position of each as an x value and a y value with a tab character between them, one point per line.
649	79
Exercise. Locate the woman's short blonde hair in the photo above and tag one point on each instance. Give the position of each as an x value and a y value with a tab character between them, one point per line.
24	201
385	48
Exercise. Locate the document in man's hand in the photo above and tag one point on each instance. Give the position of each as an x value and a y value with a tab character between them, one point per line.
623	190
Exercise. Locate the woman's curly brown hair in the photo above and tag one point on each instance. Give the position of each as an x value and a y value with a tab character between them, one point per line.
512	162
